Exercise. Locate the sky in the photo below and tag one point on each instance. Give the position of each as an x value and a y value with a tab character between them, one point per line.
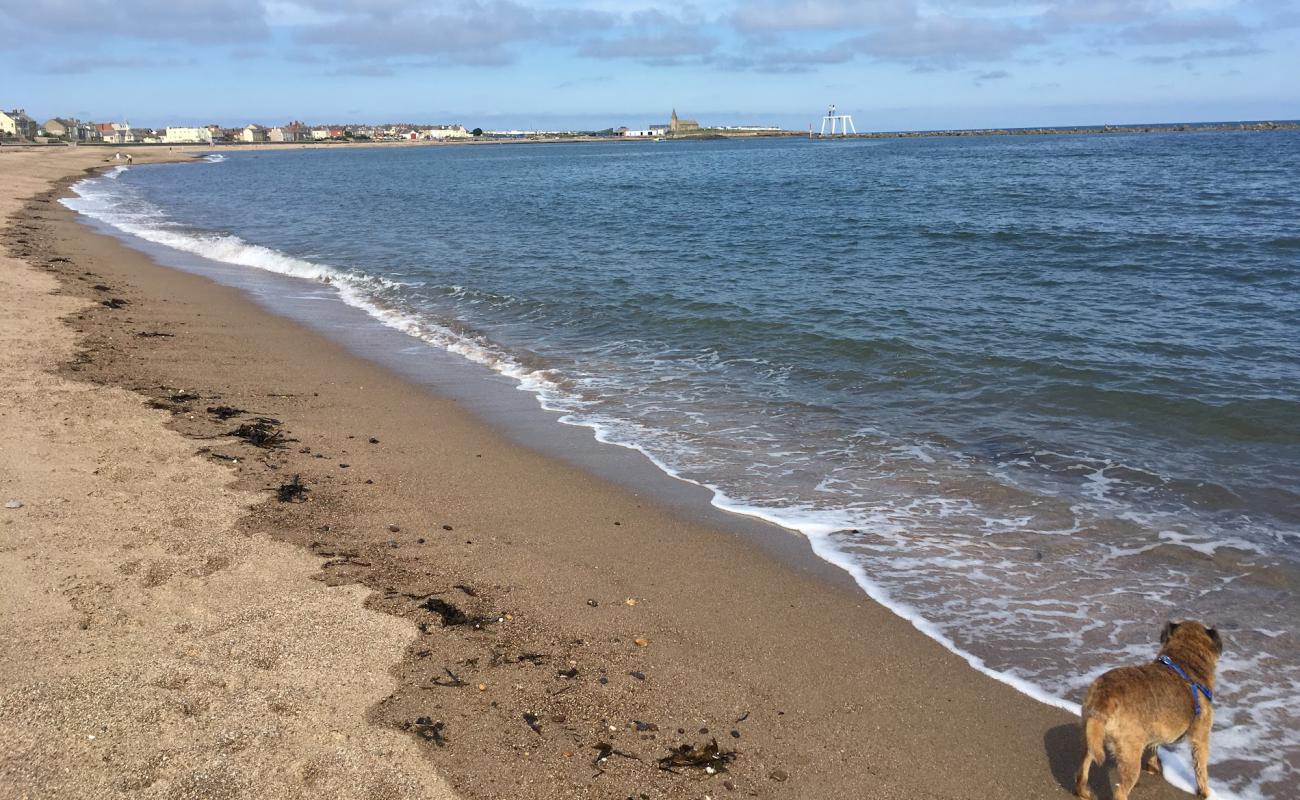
591	64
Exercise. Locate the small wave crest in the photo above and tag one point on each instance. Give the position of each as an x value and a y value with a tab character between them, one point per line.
358	289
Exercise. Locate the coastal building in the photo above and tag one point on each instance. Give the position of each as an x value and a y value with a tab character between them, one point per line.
116	132
318	134
60	128
677	125
252	134
188	136
634	134
16	123
444	132
293	132
72	130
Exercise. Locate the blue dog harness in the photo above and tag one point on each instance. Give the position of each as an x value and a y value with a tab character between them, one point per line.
1197	689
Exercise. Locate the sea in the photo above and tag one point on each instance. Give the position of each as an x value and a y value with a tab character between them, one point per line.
1037	394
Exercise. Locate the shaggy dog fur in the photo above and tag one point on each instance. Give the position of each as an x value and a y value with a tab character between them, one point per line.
1132	710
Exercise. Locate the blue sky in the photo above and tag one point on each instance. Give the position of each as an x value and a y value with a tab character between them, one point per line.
893	64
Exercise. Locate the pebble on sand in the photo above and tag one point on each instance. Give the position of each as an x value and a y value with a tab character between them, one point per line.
14	504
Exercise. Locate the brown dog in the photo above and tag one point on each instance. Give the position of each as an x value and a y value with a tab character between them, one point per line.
1132	710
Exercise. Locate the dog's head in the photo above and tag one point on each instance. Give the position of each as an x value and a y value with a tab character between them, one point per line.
1191	643
1190	631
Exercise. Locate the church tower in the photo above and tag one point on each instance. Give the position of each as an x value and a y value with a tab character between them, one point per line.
672	121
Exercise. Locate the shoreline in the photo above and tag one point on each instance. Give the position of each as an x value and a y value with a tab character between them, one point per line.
716	638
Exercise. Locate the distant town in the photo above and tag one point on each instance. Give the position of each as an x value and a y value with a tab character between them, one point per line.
18	127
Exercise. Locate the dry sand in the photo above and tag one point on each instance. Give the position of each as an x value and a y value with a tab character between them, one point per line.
148	647
148	603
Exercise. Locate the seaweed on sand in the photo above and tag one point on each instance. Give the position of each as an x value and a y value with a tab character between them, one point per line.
604	750
428	729
707	757
452	681
451	615
292	492
261	432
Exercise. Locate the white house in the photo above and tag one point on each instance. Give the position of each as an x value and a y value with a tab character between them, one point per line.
631	134
444	132
252	133
116	132
187	136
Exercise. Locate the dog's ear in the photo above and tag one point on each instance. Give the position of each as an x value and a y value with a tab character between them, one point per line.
1170	627
1218	642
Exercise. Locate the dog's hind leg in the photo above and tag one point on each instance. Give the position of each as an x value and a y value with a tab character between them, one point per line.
1094	752
1081	789
1152	762
1128	755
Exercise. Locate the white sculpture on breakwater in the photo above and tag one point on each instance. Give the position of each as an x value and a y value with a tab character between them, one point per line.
843	121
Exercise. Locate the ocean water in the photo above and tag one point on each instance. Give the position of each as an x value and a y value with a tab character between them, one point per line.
1038	394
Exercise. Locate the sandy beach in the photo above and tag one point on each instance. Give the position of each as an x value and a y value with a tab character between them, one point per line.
439	610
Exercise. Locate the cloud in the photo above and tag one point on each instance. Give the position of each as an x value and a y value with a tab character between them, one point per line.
79	65
1239	51
380	37
192	21
793	15
1073	15
654	37
947	41
651	47
373	69
1175	30
471	31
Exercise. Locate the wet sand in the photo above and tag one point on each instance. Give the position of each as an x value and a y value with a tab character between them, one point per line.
542	614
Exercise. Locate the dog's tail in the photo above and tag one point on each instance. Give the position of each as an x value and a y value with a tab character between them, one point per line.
1094	737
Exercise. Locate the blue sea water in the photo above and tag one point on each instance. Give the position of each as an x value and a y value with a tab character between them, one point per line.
1038	394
